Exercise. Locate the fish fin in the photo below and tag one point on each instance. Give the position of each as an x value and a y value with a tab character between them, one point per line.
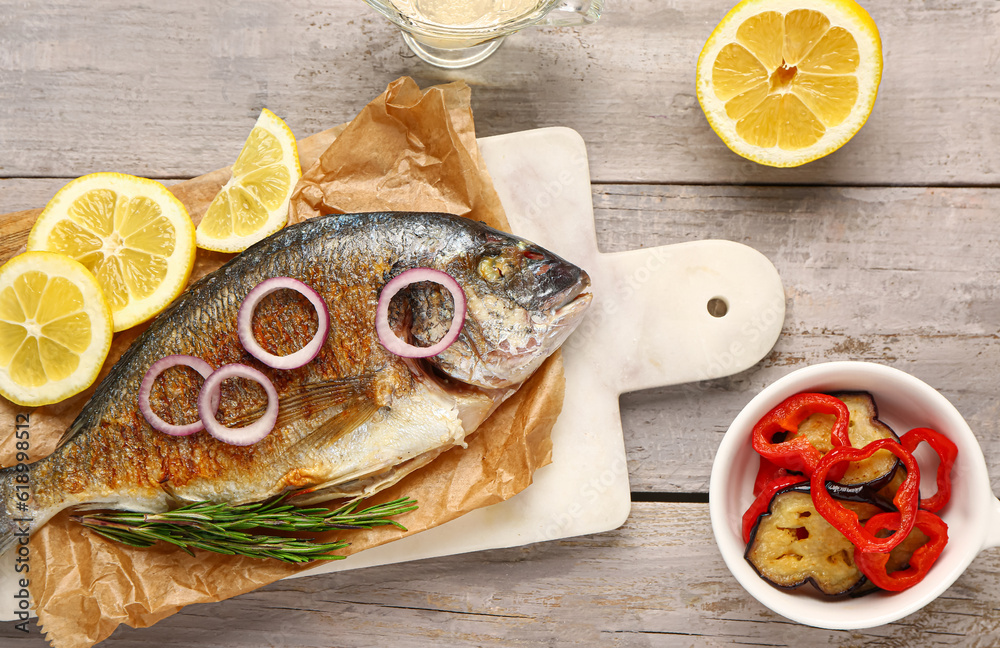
339	425
76	427
363	487
309	398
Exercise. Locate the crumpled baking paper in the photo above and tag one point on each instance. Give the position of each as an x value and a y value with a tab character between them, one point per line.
408	150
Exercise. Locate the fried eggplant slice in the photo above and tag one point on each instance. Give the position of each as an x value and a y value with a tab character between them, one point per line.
792	544
863	428
888	490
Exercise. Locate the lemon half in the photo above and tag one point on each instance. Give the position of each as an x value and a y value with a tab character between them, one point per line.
55	328
132	233
784	82
253	204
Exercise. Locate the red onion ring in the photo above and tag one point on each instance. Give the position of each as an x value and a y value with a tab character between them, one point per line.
244	327
146	387
208	404
388	337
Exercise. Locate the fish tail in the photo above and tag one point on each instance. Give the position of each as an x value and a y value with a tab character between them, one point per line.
15	506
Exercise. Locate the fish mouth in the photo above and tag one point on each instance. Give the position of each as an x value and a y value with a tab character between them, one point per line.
551	282
565	313
575	300
573	310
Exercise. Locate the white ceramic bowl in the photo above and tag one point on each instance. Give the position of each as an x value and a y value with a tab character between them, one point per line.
904	402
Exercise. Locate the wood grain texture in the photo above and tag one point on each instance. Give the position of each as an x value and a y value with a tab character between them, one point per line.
657	581
169	90
905	277
899	269
902	276
28	197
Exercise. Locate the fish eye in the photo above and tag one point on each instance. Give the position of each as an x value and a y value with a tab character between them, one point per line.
488	269
495	269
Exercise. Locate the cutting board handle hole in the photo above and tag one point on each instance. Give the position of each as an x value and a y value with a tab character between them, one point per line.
718	307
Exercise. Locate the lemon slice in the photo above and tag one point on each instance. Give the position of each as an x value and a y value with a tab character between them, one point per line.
784	82
55	328
132	233
254	203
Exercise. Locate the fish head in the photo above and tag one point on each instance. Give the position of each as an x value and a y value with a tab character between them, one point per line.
522	302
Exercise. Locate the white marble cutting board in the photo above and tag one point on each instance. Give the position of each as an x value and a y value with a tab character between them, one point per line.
649	326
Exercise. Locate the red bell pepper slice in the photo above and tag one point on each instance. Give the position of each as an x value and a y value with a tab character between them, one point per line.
873	565
766	473
763	500
797	453
946	451
907	498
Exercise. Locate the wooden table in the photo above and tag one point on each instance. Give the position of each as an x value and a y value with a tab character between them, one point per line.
887	250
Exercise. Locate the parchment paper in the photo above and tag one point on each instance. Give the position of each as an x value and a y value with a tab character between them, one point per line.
407	150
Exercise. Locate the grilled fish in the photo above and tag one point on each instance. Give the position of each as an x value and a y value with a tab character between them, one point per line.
354	420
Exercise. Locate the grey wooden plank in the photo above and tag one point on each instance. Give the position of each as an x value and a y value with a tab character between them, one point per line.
657	581
902	276
17	197
169	90
906	277
22	194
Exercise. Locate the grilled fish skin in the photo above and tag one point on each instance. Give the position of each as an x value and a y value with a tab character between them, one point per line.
354	420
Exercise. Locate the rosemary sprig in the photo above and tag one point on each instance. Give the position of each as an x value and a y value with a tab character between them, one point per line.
223	528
